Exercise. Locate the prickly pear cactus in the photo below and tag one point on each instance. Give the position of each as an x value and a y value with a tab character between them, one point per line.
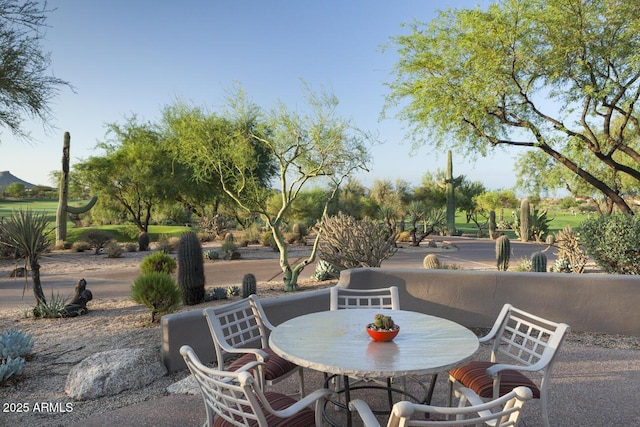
431	262
503	252
191	268
539	262
248	285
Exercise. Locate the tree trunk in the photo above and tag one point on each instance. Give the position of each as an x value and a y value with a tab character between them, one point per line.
37	285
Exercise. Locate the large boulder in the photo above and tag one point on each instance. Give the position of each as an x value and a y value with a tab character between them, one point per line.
110	372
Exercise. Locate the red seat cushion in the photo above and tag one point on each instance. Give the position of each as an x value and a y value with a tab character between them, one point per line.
275	367
304	418
474	376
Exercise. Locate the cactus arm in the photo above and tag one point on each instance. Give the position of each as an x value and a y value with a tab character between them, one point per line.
82	209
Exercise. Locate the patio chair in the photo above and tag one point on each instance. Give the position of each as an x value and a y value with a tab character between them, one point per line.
235	398
522	342
242	329
345	298
502	412
381	298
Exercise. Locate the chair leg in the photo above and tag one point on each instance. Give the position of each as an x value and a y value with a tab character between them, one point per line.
301	376
544	407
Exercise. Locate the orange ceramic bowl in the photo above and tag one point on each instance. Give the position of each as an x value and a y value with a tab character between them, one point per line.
382	336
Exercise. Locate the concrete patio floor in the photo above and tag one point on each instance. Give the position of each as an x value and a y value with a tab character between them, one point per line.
591	386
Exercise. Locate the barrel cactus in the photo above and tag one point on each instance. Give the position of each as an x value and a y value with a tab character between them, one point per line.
431	261
191	268
383	322
143	241
503	252
539	262
248	285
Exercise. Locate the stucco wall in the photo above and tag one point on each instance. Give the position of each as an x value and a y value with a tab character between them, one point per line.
587	302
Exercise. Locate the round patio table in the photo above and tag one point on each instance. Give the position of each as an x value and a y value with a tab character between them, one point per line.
336	342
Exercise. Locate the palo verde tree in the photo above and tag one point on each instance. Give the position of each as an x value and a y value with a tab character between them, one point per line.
305	148
26	88
549	75
134	174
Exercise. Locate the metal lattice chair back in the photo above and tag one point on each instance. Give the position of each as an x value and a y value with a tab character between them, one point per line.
346	298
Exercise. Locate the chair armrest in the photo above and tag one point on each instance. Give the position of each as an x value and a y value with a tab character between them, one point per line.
493	371
365	412
301	404
260	354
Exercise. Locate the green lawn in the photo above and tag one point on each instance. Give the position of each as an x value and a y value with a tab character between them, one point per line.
121	233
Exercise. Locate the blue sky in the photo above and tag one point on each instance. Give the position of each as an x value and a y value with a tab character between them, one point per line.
127	57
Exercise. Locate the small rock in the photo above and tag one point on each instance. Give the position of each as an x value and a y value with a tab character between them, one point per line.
187	385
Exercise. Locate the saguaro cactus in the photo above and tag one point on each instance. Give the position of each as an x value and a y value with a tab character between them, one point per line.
492	224
449	184
63	196
191	268
503	252
524	220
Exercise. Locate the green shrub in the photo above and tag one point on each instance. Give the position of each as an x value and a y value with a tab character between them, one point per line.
80	246
156	291
168	244
612	241
97	239
158	262
113	249
211	255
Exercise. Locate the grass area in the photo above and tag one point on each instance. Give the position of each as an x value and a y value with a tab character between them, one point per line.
121	233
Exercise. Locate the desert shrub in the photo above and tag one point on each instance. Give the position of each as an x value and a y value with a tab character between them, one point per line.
523	265
130	247
156	291
113	249
404	236
80	246
168	244
211	254
269	241
612	241
570	249
97	239
350	243
252	234
158	262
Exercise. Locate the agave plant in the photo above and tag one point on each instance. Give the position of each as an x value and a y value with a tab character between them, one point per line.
27	232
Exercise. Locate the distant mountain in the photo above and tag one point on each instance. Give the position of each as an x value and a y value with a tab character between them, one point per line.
6	179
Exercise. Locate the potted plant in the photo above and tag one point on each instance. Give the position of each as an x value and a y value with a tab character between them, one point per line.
383	328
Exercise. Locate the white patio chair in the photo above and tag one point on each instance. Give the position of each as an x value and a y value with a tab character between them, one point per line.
522	342
235	398
242	329
502	412
346	298
381	298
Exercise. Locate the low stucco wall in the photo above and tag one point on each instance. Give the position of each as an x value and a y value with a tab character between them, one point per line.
587	302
